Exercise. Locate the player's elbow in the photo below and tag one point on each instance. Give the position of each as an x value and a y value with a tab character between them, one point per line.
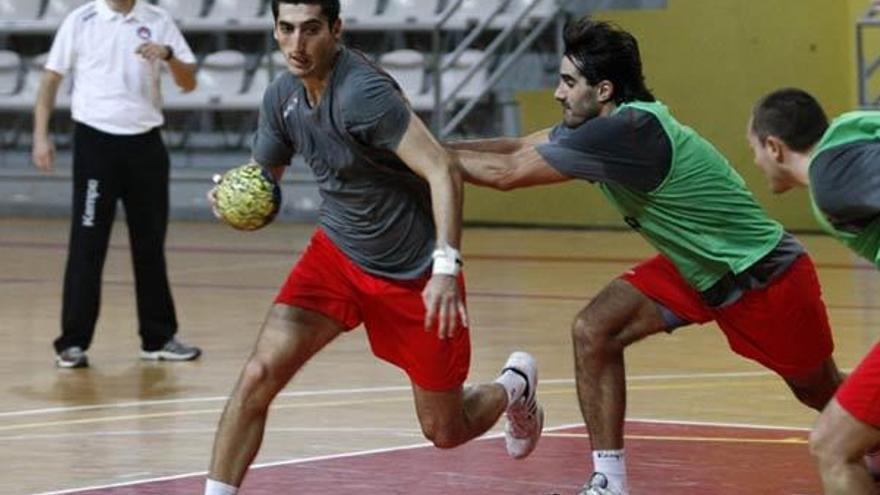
186	79
505	183
505	178
187	85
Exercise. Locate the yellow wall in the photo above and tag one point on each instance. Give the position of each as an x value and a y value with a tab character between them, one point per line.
708	60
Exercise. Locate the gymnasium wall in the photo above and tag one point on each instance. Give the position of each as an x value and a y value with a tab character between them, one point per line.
708	60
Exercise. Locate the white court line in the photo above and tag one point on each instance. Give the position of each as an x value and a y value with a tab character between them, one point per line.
383	451
193	431
368	390
712	423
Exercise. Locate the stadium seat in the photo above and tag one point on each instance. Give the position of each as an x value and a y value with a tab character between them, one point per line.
407	67
235	9
182	9
251	99
540	9
19	10
58	9
456	73
248	15
10	70
355	12
222	73
472	12
411	11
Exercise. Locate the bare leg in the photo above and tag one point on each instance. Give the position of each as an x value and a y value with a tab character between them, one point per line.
617	317
452	418
839	442
816	388
290	336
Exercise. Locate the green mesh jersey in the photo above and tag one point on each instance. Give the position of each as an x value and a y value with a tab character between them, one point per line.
701	216
850	128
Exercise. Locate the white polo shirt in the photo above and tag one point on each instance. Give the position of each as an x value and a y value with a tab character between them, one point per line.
115	90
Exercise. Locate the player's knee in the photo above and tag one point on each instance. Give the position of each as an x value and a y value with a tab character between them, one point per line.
590	337
826	443
255	384
820	442
442	435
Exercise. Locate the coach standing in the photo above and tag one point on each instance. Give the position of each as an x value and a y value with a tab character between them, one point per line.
114	50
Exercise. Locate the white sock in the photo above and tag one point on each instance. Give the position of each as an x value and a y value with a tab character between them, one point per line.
216	488
612	464
514	384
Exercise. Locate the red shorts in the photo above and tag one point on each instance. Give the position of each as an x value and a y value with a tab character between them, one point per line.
860	393
325	280
783	326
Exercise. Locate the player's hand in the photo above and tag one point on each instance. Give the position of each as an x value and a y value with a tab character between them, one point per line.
212	195
444	306
152	51
43	153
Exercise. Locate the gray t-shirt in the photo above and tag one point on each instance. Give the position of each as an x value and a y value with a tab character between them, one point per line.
846	184
629	148
375	208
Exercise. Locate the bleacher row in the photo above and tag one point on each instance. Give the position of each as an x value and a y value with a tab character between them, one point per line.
17	16
237	59
226	80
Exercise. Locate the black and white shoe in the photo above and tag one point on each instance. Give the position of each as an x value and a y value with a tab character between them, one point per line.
525	417
72	357
173	350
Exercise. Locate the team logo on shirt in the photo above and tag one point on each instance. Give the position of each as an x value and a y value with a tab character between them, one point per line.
144	33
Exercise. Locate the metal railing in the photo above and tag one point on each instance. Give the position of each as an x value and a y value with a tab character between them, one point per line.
867	69
439	62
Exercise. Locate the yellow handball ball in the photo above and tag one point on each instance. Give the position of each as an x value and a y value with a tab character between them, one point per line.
247	197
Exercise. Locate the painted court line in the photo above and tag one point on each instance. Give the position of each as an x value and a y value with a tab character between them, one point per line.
365	390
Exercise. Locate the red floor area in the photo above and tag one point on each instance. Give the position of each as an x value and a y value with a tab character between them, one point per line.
663	459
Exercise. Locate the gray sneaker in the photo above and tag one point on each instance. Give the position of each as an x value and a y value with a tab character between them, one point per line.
598	485
72	357
173	350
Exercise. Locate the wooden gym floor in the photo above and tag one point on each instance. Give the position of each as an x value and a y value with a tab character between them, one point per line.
346	424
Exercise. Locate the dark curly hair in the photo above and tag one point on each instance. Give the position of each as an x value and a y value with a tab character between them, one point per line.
603	51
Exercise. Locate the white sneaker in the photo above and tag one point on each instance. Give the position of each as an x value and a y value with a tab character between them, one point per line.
598	485
525	417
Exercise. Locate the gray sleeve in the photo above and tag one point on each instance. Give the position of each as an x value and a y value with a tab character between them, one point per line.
273	145
375	112
845	184
629	148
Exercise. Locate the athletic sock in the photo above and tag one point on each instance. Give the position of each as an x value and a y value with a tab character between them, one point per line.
216	488
612	464
514	384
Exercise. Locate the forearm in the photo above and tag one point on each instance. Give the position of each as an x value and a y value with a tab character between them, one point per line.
184	74
497	145
485	169
45	104
447	199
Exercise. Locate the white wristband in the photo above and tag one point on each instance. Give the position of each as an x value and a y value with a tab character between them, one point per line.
447	261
